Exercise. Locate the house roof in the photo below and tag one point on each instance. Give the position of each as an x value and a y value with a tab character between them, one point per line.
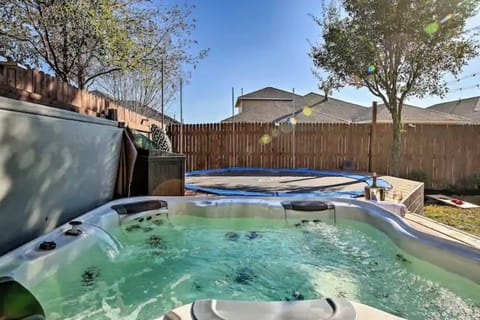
340	109
274	94
101	94
411	114
312	98
275	105
267	111
268	93
146	111
328	111
135	106
468	108
314	117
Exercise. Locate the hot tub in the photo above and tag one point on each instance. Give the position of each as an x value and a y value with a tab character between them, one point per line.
238	258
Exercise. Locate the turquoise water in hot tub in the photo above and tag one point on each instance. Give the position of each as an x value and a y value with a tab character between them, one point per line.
175	261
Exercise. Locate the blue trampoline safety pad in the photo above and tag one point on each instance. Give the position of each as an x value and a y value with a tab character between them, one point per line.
301	171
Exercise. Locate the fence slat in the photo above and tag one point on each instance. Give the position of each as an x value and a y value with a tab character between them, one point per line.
35	86
448	153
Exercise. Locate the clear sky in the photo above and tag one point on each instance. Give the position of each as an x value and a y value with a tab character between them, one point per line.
259	43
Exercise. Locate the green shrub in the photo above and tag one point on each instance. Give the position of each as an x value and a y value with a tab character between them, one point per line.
420	175
476	180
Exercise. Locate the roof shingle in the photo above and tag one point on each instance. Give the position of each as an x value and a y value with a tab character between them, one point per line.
467	108
269	93
339	108
411	114
275	105
264	111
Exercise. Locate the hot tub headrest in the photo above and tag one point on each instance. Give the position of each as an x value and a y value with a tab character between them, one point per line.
321	309
17	303
307	205
137	207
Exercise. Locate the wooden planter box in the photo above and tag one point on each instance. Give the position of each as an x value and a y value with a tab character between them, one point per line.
158	173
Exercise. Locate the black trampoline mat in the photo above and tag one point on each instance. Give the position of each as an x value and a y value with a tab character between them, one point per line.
272	182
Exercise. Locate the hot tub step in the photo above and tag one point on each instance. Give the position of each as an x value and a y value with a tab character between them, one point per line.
332	309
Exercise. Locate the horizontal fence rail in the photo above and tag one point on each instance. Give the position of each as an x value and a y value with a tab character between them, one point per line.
448	154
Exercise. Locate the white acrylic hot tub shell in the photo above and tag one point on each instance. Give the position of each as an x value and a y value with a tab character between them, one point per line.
28	265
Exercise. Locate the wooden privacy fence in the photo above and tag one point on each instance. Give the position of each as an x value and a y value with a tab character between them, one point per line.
33	85
449	154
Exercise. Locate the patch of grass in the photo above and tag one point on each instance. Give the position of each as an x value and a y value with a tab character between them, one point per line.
464	219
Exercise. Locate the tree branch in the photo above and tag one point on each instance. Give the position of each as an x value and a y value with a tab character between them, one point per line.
15	37
101	74
376	92
49	50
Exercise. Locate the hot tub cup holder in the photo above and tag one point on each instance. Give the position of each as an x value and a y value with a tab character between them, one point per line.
74	231
47	245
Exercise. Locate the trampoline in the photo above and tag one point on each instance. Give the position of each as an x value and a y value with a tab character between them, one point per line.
263	182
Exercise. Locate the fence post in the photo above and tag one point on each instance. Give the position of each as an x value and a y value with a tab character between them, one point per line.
293	124
371	158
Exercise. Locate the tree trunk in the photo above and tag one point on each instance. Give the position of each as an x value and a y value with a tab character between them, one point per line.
81	82
396	143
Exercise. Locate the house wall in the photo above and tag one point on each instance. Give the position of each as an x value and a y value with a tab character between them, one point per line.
254	105
54	165
263	110
247	105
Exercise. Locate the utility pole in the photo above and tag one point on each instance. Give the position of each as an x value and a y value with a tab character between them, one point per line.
293	123
371	158
163	113
181	115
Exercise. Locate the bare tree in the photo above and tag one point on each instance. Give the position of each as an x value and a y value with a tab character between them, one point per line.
143	87
82	40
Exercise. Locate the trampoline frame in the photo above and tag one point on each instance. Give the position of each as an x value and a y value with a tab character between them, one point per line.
233	192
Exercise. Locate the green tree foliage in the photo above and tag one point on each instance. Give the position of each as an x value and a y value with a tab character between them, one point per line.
395	48
81	40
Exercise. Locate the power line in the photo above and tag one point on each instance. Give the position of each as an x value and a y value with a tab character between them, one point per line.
473	28
473	75
465	88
